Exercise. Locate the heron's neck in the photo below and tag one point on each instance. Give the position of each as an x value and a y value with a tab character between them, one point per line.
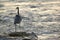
18	11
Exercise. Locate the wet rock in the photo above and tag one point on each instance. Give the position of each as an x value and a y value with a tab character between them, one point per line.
18	34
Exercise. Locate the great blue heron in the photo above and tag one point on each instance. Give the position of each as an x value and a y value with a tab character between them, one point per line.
18	18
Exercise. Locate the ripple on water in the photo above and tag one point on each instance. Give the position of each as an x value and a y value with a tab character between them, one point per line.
1	5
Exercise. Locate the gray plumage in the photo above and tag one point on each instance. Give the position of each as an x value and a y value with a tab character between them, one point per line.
18	18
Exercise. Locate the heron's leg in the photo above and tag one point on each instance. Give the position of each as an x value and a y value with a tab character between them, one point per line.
15	28
19	24
19	27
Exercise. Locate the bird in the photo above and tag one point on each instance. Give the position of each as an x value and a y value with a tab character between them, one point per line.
18	18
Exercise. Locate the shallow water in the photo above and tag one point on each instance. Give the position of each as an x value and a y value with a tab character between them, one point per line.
43	18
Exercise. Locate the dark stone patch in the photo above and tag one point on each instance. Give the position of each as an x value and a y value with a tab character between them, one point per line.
18	34
26	39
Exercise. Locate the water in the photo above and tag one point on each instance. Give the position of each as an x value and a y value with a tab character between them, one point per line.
43	18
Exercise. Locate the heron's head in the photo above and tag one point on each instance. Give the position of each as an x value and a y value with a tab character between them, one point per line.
17	7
